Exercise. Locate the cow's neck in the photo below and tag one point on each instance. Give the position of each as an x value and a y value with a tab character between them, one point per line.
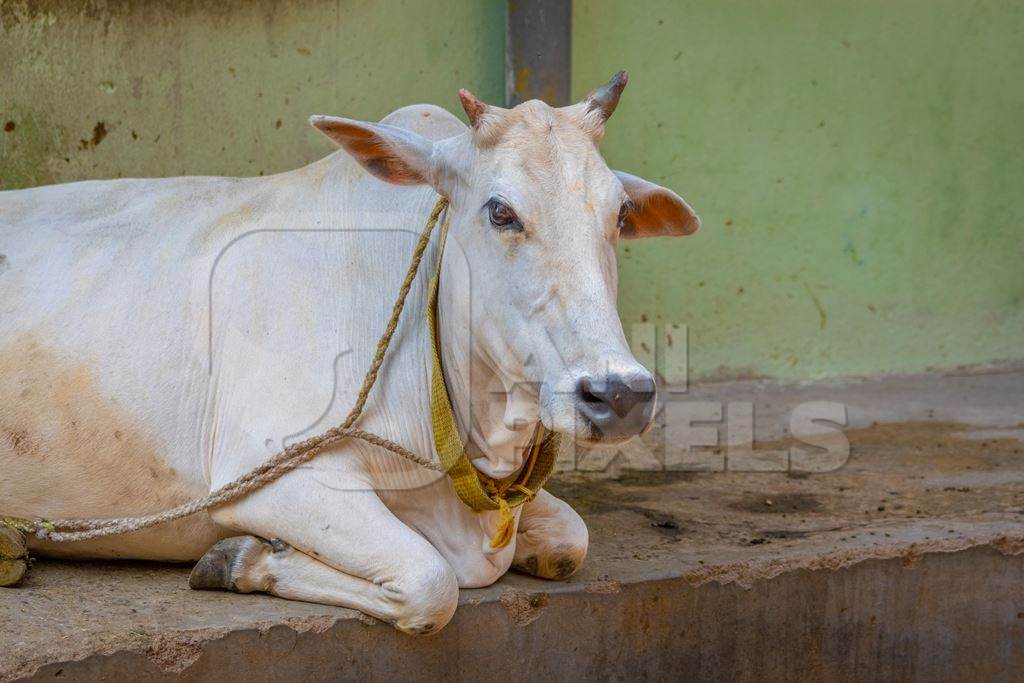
476	391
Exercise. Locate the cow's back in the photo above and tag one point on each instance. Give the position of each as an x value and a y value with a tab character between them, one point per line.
138	321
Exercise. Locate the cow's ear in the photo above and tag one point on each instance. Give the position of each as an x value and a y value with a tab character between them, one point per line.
656	211
393	154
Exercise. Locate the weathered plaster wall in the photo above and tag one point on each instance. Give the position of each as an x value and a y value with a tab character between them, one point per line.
111	88
858	166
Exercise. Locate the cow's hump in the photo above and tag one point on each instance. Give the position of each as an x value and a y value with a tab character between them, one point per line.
428	120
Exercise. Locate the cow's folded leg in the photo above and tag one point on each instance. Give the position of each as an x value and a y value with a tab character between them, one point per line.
333	547
552	539
247	564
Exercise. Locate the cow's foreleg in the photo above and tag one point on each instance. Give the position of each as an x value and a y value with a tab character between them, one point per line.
552	538
337	546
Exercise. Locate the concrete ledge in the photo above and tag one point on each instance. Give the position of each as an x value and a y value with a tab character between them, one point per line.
906	563
951	612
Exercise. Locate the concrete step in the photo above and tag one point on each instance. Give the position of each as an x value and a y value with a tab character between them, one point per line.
905	562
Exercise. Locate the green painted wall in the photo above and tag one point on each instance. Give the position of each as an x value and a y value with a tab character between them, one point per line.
859	167
102	89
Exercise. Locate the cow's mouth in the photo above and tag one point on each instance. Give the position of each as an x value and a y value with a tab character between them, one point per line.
588	433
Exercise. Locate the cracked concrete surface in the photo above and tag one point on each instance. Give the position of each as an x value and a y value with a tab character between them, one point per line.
907	562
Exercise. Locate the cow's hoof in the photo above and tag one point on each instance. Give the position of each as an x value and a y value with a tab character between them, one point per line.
13	556
558	564
231	565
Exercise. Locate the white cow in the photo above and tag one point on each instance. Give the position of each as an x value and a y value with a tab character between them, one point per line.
159	338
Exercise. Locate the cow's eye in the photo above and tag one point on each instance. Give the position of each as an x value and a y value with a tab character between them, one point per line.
624	211
502	217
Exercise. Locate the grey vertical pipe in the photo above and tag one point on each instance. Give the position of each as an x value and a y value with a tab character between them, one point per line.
538	51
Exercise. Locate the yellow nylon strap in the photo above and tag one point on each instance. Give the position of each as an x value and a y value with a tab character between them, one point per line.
475	489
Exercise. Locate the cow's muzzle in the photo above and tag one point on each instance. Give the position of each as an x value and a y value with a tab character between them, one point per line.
616	407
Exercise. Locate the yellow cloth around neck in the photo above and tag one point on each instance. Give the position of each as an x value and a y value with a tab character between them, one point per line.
475	489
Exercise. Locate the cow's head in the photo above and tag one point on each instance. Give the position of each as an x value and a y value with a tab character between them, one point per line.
538	213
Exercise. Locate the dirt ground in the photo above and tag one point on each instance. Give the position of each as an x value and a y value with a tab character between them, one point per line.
896	474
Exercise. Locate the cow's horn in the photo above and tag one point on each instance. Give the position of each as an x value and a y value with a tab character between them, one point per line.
474	107
603	100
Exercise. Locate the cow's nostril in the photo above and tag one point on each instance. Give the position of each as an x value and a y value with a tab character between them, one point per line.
616	406
587	392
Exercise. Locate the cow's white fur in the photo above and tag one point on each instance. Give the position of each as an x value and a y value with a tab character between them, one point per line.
113	331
